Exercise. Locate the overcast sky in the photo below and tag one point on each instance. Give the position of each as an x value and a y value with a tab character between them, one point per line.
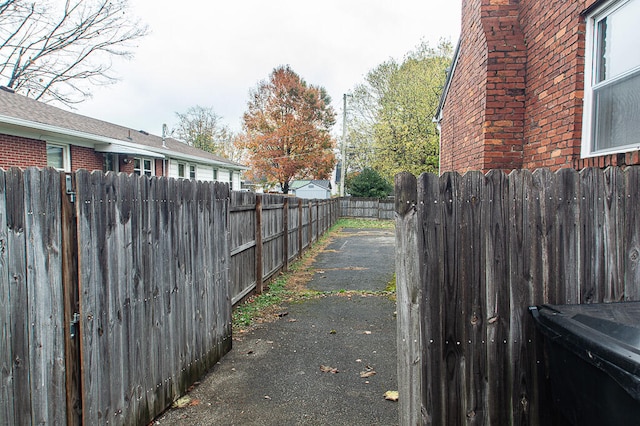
212	52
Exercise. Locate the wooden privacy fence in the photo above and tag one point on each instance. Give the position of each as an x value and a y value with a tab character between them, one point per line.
473	253
288	226
368	208
116	290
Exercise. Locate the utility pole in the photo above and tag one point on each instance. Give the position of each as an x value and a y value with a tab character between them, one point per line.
343	152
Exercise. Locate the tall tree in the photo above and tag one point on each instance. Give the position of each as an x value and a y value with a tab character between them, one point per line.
363	109
406	137
288	125
201	127
390	113
55	50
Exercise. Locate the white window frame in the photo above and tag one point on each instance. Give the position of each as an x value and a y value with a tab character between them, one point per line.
66	156
182	175
189	170
142	171
591	62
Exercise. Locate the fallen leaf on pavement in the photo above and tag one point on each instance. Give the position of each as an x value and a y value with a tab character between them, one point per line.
365	374
332	332
183	402
391	395
327	369
367	332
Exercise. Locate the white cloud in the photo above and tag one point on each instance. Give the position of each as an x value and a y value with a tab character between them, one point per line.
212	53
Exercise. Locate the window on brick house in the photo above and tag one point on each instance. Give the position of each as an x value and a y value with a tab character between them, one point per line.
58	157
611	121
142	166
111	162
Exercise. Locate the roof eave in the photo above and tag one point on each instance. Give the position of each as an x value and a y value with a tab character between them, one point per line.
27	128
439	112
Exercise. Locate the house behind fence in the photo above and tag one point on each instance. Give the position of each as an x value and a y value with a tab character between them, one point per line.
473	253
116	290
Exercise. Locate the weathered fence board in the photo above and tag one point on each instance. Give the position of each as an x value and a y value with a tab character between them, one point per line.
31	316
151	266
153	273
368	208
7	340
242	229
488	247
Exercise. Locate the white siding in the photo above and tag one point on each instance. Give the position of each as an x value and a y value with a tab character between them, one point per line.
173	169
204	172
236	181
312	192
223	175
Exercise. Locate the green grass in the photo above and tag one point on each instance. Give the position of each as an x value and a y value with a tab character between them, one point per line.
289	286
245	313
364	223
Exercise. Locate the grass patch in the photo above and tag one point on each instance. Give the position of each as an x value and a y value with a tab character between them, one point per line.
364	223
290	286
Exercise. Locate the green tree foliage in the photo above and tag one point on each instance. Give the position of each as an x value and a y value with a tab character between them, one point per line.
362	115
406	137
390	115
288	126
368	183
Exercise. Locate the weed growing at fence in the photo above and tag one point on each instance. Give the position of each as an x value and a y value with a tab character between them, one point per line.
290	286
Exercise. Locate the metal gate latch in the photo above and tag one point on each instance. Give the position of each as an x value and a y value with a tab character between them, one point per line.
73	327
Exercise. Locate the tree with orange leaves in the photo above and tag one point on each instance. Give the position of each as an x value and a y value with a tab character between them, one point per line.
287	127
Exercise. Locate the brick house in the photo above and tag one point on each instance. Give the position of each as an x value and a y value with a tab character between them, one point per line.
543	83
36	134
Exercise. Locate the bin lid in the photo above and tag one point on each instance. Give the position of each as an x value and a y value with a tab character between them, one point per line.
606	335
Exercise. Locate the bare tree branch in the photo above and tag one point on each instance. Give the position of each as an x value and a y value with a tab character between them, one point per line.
54	53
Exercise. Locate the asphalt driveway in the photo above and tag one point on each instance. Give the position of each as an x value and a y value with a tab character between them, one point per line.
329	360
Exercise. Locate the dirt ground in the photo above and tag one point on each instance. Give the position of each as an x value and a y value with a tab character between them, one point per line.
325	360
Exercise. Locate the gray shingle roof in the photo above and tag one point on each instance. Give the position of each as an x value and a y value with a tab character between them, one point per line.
20	107
296	184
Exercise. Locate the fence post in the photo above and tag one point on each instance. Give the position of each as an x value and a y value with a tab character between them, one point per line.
71	298
317	221
258	243
409	298
299	227
310	229
285	225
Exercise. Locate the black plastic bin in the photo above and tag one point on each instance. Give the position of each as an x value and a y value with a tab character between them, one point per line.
593	360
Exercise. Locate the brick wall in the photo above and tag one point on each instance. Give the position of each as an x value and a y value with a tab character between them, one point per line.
22	152
554	31
503	127
86	158
16	151
462	146
531	116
